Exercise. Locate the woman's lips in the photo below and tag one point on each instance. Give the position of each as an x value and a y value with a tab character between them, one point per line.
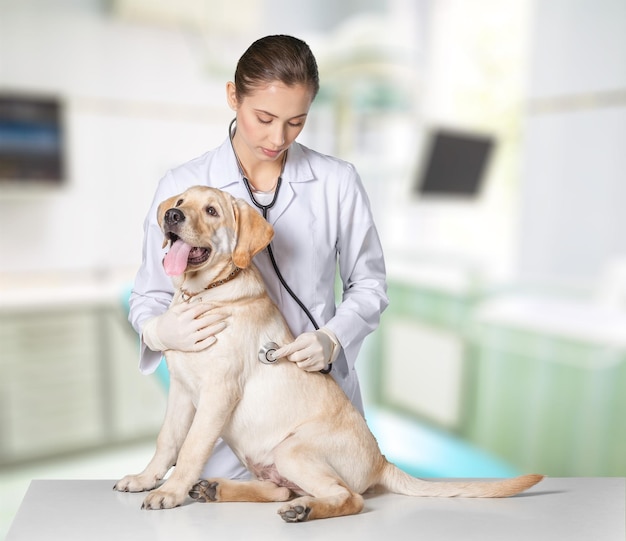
271	153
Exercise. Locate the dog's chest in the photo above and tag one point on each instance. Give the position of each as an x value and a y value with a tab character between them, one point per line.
206	370
192	371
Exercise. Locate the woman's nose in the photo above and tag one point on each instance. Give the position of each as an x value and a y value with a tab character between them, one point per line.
278	137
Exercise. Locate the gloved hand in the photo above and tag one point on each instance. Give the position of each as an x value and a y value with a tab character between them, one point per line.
312	351
184	327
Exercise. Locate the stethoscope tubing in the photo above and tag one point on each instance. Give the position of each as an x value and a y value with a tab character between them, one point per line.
265	212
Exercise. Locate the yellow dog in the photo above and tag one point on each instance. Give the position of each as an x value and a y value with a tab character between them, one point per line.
296	431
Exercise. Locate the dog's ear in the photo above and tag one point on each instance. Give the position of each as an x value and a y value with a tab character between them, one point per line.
253	233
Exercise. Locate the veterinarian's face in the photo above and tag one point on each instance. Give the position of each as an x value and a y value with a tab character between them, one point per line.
269	119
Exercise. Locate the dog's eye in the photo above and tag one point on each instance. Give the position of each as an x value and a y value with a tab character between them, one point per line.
211	211
179	203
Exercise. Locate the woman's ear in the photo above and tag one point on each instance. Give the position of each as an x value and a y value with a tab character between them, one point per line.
231	95
253	233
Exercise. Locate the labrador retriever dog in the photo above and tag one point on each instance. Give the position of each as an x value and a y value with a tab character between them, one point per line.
295	431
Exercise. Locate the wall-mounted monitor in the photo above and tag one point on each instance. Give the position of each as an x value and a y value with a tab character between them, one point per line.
31	141
454	164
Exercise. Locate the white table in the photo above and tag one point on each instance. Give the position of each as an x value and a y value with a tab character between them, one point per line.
556	509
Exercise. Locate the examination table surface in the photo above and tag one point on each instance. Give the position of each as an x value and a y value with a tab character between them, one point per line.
557	508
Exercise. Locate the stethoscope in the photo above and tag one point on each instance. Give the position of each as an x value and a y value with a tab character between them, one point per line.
266	353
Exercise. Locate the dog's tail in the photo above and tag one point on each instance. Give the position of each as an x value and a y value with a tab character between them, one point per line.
395	480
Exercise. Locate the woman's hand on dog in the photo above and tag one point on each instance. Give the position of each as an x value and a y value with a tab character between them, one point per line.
311	351
184	327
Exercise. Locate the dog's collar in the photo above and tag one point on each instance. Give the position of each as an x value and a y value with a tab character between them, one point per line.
186	296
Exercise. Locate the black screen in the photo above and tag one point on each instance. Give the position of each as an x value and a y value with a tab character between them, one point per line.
455	164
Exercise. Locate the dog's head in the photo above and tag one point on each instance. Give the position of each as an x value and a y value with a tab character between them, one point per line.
204	225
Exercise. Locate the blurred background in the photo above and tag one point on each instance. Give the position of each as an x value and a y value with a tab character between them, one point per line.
490	136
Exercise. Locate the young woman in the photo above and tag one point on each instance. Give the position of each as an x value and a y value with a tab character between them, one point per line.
321	217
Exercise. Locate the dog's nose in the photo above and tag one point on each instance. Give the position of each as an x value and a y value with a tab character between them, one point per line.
174	216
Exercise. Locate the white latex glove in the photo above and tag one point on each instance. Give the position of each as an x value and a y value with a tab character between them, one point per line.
311	351
183	327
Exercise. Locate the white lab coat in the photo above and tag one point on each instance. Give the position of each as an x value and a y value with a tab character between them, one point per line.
322	216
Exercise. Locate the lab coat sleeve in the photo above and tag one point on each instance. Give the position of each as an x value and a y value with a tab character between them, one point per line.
362	270
153	290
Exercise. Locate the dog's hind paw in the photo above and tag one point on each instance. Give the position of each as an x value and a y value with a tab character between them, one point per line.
204	491
295	513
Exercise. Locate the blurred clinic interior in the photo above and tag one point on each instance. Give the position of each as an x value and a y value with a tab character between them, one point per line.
490	135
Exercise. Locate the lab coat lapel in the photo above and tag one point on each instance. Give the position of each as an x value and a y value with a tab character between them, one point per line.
297	170
285	197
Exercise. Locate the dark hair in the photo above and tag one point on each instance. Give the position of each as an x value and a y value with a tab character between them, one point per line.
276	58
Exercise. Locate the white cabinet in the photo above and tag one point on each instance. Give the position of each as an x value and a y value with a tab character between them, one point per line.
69	381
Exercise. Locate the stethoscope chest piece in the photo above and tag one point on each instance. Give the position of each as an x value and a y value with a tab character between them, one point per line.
267	353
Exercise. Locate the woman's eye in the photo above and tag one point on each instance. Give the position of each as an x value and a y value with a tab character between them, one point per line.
297	124
211	211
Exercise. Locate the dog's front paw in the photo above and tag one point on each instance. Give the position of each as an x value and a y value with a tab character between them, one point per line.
162	498
136	483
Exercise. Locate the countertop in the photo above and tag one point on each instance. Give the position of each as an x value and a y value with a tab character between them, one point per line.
557	508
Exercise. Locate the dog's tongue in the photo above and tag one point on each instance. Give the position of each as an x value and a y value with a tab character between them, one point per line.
175	261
